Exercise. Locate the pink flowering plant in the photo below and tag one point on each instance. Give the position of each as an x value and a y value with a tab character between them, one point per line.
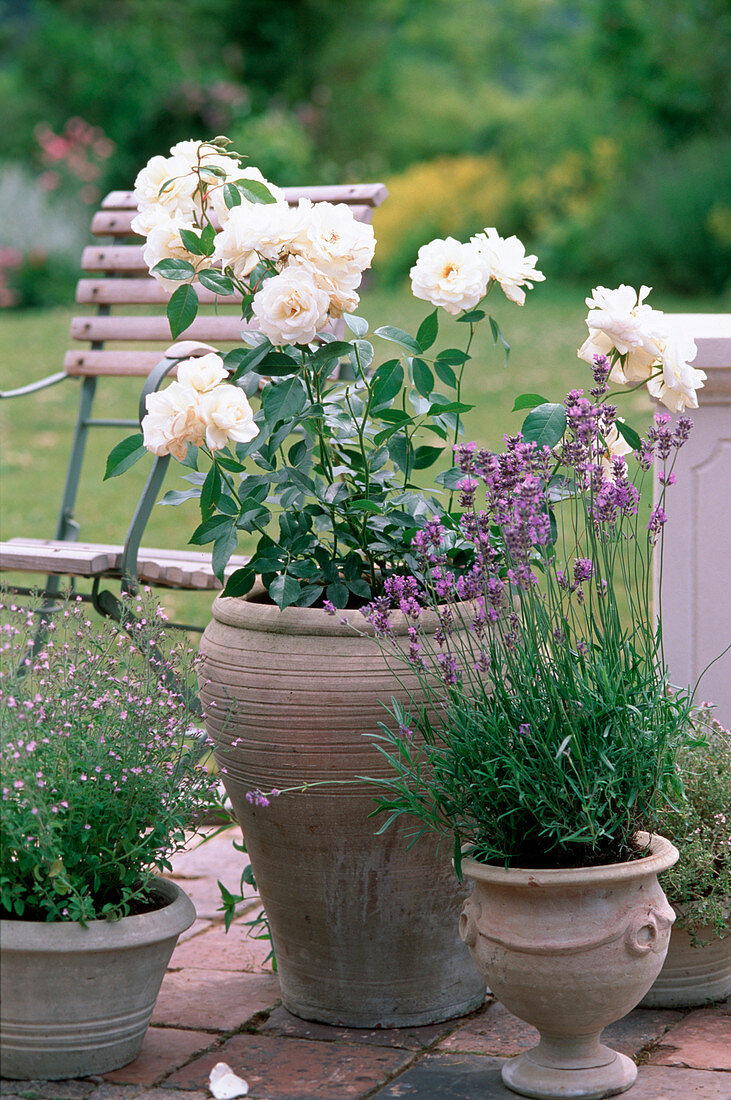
102	776
314	436
549	732
699	885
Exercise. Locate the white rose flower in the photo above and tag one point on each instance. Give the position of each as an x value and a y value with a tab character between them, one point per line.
676	386
227	415
334	242
508	264
177	198
615	446
151	218
173	421
233	174
203	372
254	231
342	298
618	320
450	274
290	308
164	242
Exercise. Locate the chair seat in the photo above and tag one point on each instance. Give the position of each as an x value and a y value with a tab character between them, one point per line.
188	569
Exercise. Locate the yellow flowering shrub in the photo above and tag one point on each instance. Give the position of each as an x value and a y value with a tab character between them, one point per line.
569	189
449	196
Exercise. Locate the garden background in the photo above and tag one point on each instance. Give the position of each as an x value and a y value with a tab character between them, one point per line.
597	130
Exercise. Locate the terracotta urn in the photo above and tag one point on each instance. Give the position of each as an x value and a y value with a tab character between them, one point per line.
570	951
364	926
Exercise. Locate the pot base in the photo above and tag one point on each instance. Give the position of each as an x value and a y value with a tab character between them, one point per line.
528	1077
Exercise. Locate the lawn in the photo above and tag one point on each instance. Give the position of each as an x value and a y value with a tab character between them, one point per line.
36	430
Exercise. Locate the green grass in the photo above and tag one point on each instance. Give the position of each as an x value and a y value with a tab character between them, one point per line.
36	430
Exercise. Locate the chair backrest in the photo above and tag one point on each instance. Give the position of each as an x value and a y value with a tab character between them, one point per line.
117	276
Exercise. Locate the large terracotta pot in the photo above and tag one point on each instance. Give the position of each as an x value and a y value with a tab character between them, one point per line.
364	927
692	975
77	1000
570	951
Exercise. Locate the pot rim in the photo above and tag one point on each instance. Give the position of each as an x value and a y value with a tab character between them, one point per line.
246	614
102	935
662	854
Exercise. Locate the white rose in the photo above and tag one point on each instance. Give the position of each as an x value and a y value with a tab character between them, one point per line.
615	446
164	242
227	415
150	218
334	242
173	421
342	298
233	174
290	307
177	198
619	321
676	386
450	274
508	264
203	372
254	231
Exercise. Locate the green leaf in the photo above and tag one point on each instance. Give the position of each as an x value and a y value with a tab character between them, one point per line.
182	309
445	373
546	425
628	434
215	281
177	496
426	456
472	316
284	590
208	240
423	377
223	548
453	357
357	325
174	269
398	336
243	360
231	195
497	335
124	455
192	242
428	331
528	401
365	505
283	400
210	530
449	407
337	593
387	382
210	492
277	364
335	349
255	191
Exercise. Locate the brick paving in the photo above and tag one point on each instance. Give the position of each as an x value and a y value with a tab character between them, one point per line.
220	1002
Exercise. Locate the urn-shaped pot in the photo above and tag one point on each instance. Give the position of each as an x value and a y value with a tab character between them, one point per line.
570	951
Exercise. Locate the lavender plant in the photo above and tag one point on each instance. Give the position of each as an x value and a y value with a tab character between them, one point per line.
549	733
102	777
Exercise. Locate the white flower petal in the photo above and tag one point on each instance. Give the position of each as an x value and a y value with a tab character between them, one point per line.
224	1084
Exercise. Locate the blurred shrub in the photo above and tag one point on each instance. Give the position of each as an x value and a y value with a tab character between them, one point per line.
449	196
668	222
278	144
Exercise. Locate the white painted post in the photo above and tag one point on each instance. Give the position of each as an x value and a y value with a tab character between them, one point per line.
696	583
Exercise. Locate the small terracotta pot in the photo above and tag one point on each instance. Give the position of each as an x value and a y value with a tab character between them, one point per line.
78	1000
692	975
570	951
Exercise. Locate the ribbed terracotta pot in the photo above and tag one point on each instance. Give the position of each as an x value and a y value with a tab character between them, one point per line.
692	975
364	927
78	1000
570	951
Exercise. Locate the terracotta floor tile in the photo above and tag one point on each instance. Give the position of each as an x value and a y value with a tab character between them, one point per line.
277	1068
213	1000
495	1031
165	1049
281	1022
702	1040
217	949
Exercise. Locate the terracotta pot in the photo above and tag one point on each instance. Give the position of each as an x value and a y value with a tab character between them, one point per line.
570	951
692	975
364	927
78	1000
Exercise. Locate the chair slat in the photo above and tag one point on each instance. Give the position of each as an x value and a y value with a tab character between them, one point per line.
114	258
226	328
126	364
117	223
369	194
58	559
147	291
